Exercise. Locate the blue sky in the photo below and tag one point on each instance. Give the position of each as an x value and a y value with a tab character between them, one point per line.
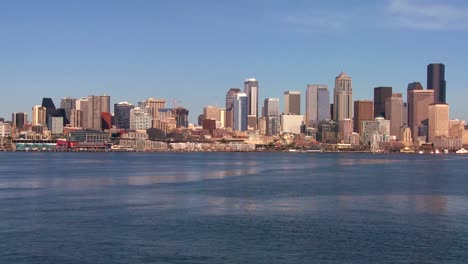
194	51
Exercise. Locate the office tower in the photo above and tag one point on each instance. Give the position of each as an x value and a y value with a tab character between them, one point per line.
241	110
323	103
405	114
140	119
292	103
343	97
68	104
436	81
211	113
122	115
48	103
105	103
39	116
251	89
418	102
200	120
106	121
438	121
363	111
76	118
317	104
154	105
181	116
332	114
380	95
82	106
273	125
96	106
230	98
19	120
271	107
55	124
394	113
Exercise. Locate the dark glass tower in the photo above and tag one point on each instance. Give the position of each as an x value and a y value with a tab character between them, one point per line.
436	81
380	95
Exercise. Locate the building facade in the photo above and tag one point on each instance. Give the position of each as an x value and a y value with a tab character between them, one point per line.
343	97
380	96
241	110
436	81
363	111
292	103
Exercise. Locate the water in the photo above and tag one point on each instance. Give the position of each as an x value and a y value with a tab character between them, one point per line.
233	208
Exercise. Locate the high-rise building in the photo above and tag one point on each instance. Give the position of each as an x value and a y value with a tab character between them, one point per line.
154	105
122	115
363	111
273	125
317	104
68	104
345	128
96	106
39	116
271	107
438	121
19	120
48	103
291	123
230	98
76	118
251	89
241	112
55	124
436	81
211	113
343	97
181	116
82	106
418	102
323	104
105	103
380	95
394	112
140	119
292	103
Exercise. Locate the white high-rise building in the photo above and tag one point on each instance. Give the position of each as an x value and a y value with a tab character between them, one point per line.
240	112
39	115
140	119
251	90
343	97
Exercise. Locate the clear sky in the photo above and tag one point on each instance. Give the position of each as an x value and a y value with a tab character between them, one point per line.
194	51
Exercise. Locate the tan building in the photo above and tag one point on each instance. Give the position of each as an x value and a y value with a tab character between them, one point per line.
363	111
438	121
291	123
406	137
155	105
212	113
39	116
394	112
418	102
343	97
292	103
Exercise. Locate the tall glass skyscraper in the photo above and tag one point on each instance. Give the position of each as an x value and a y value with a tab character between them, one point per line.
251	90
240	112
122	115
436	81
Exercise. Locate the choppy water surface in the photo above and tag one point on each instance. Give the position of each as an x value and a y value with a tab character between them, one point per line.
233	208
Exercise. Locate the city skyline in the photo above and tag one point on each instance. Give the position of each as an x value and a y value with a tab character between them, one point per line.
139	50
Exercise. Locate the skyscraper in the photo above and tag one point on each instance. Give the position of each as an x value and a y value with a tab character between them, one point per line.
155	105
122	115
436	81
211	113
240	112
418	102
96	106
140	119
317	104
251	89
230	98
81	118
181	116
48	103
323	103
394	113
380	95
438	123
19	120
271	107
343	97
68	104
363	111
39	116
292	103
